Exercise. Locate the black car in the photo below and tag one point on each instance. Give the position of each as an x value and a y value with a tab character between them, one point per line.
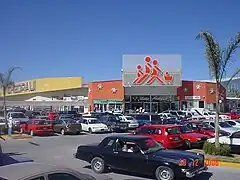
146	118
113	123
141	155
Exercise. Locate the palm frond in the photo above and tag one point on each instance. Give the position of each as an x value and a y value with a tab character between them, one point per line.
8	80
233	76
229	52
213	53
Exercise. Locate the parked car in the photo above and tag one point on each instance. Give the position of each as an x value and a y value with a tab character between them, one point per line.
204	128
32	114
223	126
192	139
234	123
167	135
233	140
93	125
167	121
36	127
133	124
146	118
233	115
142	155
113	123
67	126
38	171
17	118
52	115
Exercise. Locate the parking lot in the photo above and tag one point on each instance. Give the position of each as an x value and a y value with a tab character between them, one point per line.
59	150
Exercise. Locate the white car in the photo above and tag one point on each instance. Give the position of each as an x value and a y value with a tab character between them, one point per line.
131	120
234	123
233	140
92	125
166	115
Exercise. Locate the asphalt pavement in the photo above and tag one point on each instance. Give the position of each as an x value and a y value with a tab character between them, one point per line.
59	150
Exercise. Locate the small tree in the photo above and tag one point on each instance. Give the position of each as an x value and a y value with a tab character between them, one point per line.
218	60
6	82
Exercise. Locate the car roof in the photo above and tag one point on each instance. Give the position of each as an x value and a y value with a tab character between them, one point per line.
25	170
161	126
128	137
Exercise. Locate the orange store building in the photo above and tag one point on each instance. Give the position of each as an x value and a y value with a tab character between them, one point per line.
106	95
110	95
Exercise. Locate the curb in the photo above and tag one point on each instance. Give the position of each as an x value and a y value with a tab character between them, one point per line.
16	137
211	162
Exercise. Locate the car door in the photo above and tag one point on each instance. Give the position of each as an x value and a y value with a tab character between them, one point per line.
131	161
58	125
235	142
84	125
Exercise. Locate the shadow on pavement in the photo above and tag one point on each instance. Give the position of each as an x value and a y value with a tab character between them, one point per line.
35	144
203	176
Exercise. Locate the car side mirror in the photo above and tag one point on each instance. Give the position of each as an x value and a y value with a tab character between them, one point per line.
10	118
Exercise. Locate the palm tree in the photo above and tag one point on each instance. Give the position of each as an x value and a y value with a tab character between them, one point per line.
6	82
218	60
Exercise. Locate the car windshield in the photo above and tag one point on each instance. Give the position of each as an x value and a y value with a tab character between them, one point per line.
224	125
40	122
181	113
207	126
93	121
69	121
18	115
173	130
171	121
174	113
185	129
149	145
129	117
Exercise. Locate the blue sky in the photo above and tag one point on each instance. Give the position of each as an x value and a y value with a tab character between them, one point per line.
88	37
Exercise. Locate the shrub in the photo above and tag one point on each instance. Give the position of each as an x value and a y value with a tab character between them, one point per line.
222	150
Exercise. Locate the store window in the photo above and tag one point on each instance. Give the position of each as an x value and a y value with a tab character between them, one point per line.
127	98
201	104
140	98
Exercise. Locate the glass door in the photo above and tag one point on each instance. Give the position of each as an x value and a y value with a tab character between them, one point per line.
154	107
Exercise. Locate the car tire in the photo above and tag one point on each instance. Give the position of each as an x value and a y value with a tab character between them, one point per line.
62	132
90	130
164	173
98	165
187	144
31	133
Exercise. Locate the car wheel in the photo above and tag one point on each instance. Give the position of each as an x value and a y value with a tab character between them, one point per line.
90	130
187	144
98	165
164	173
62	132
21	130
31	133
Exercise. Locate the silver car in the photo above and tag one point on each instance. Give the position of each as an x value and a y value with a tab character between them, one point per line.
38	171
223	126
17	118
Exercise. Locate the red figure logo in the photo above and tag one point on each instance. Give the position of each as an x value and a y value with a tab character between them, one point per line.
152	73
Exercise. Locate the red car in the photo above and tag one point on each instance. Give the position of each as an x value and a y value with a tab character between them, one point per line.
167	135
233	115
204	128
36	127
191	139
52	115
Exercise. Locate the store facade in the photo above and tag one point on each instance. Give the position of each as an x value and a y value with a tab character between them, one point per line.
197	94
150	82
105	96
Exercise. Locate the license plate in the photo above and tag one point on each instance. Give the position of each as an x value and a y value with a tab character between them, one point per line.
102	129
176	138
44	128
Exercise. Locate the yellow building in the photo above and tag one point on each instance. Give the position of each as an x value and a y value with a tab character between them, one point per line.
58	89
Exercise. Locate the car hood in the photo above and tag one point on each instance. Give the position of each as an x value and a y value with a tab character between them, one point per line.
195	135
20	119
175	155
98	125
